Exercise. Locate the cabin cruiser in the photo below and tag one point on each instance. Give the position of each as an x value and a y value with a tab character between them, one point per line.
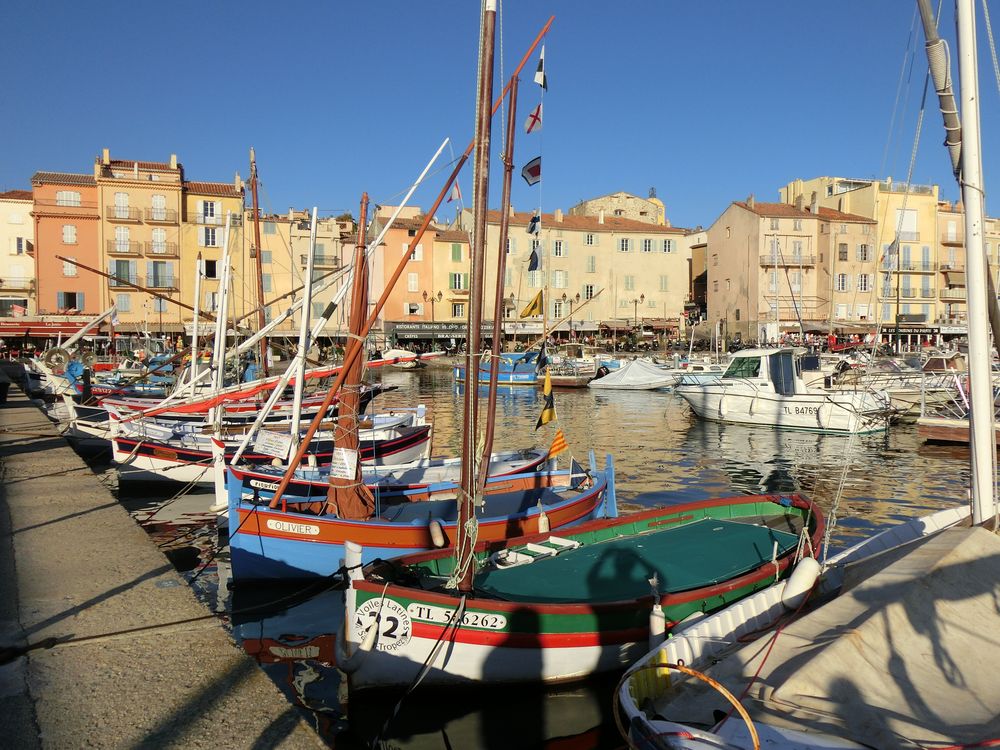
765	387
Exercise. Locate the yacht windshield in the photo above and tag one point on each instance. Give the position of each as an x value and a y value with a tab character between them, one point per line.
743	367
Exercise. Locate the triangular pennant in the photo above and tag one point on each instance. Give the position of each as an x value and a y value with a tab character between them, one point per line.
535	307
559	444
540	71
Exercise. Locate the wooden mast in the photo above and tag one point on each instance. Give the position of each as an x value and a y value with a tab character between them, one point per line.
348	497
261	319
464	545
498	306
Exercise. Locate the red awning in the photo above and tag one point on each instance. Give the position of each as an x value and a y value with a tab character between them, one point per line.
18	327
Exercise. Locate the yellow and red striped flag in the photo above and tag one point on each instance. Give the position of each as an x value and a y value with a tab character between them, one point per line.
558	444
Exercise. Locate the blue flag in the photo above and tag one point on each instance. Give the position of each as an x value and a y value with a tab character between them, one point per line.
533	261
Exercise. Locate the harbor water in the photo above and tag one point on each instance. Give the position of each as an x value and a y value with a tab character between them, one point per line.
662	455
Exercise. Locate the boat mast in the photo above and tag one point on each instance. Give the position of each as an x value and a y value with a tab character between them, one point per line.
498	306
481	186
193	375
261	319
304	339
347	495
981	413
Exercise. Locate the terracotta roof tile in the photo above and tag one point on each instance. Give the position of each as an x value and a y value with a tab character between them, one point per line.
62	178
16	195
787	210
130	163
453	235
611	223
222	189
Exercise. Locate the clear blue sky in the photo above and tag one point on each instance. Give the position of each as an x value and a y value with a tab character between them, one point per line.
706	101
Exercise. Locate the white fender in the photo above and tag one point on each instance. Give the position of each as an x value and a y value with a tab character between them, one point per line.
437	533
723	407
824	415
657	626
800	583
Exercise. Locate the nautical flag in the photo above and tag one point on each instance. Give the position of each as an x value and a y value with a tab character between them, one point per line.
540	71
549	408
558	444
535	225
535	307
114	318
533	261
532	171
456	194
542	362
534	122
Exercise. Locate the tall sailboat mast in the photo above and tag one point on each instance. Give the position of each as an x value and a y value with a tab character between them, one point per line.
261	319
481	189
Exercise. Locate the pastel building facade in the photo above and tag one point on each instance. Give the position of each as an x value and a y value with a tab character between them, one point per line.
17	247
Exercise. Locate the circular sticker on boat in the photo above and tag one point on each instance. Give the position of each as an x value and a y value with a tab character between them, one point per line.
394	626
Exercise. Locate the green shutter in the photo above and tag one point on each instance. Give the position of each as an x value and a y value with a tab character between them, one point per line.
465	281
456	252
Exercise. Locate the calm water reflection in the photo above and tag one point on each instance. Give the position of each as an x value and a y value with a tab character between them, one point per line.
662	455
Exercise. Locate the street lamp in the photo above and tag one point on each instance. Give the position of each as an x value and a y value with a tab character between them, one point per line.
641	298
571	300
432	300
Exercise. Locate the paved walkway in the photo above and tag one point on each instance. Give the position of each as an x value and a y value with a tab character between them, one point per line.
137	661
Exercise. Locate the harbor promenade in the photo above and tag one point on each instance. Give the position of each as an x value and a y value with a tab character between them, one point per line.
102	643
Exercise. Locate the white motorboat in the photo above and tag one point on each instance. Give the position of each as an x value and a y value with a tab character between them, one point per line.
637	375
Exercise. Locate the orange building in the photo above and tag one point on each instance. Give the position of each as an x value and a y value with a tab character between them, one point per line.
409	301
67	216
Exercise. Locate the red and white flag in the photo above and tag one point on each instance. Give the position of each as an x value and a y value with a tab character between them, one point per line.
18	311
456	194
534	122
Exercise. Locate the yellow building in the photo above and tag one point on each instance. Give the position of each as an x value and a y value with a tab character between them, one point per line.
17	262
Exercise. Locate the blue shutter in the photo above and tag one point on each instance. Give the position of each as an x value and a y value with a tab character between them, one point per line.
79	302
60	301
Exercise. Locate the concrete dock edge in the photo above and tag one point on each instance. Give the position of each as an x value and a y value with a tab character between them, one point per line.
134	659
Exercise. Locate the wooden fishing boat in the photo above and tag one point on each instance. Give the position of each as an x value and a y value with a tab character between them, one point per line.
553	608
272	544
416	479
515	368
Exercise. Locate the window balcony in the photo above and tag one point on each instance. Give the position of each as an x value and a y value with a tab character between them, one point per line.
321	261
123	213
161	282
212	221
928	293
953	238
121	247
124	280
919	266
17	284
787	260
162	249
952	265
955	293
161	216
908	293
49	207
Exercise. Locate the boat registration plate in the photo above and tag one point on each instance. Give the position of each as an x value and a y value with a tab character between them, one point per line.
443	616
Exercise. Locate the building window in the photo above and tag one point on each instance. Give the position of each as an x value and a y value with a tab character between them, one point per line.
211	269
456	251
863	312
121	239
772	281
533	277
458	309
591	264
560	279
630	283
647	246
796	278
797	250
458	281
864	253
159	240
208	212
557	309
413	308
840	284
774	223
663	283
121	205
20	244
864	282
558	249
797	225
211	301
536	244
208	238
508	277
270	227
865	229
159	212
590	240
317	310
69	267
123	302
412	282
715	286
841	312
69	236
842	251
416	254
265	280
160	305
159	274
67	198
715	259
69	302
624	244
588	291
668	246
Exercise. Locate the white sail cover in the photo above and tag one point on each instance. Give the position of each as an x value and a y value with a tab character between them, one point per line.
637	375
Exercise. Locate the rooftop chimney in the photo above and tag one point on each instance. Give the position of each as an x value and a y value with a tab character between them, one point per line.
600	216
173	161
751	202
814	203
558	215
106	157
237	182
510	211
798	202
